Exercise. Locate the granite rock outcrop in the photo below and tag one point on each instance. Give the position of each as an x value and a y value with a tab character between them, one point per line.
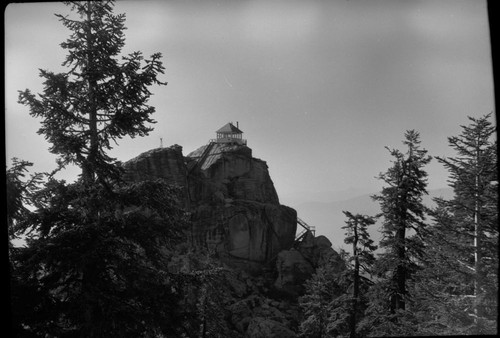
236	217
235	210
297	265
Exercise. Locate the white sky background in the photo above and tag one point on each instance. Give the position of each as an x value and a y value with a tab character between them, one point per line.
319	87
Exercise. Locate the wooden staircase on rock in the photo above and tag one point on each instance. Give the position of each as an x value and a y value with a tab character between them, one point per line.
305	228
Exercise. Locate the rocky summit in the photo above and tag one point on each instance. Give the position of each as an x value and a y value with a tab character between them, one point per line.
236	216
234	207
235	210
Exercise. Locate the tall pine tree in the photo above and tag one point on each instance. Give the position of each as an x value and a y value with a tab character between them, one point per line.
99	99
362	257
325	304
403	224
335	297
95	264
467	227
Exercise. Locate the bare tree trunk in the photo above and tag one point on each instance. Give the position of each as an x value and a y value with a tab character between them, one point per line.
401	268
477	243
355	292
398	302
89	168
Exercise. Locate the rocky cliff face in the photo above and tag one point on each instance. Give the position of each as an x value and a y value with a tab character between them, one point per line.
236	216
235	210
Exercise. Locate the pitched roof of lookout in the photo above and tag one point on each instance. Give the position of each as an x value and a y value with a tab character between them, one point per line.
229	128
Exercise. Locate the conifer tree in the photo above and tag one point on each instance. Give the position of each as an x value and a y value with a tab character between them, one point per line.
104	277
95	264
465	235
325	303
403	213
99	99
362	257
19	193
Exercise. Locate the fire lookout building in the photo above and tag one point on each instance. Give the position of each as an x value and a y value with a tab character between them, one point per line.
230	133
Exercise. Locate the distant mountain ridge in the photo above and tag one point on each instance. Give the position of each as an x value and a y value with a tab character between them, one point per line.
329	219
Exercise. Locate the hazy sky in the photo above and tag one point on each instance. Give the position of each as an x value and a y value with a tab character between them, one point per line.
319	87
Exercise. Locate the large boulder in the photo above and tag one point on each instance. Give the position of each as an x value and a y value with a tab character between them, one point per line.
166	163
297	265
316	250
160	163
244	230
293	270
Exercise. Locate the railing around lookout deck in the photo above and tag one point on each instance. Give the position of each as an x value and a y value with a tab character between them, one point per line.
240	141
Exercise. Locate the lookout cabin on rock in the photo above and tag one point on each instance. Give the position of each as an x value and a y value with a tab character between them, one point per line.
230	133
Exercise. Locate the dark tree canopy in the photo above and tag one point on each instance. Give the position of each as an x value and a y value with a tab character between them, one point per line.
464	239
93	277
95	264
101	98
402	210
19	193
362	257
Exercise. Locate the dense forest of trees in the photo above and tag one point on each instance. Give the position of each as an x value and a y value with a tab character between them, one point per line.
91	269
437	272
